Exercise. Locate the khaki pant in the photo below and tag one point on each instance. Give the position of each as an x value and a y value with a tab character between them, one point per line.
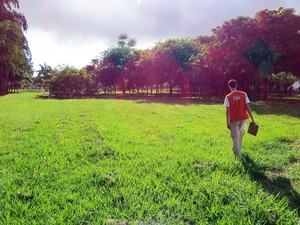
237	131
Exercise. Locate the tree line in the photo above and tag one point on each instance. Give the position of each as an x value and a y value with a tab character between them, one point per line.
262	53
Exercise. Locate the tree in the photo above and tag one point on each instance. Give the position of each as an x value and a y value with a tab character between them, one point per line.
125	40
132	72
184	52
247	49
276	51
263	43
150	72
199	69
71	82
21	73
230	50
236	35
112	69
44	74
280	30
15	56
168	69
264	59
7	13
44	71
284	80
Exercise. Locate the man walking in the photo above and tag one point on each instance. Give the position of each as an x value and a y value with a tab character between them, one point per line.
237	113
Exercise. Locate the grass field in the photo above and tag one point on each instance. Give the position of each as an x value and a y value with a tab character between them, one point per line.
145	161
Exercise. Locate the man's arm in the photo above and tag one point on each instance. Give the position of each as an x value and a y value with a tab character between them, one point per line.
248	108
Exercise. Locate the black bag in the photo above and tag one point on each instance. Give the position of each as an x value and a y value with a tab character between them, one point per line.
253	128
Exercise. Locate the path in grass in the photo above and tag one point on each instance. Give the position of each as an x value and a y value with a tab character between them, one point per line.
145	161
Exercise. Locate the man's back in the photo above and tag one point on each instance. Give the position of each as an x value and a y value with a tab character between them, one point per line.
237	106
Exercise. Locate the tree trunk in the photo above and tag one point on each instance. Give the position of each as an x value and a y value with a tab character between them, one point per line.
123	86
171	90
266	88
6	91
1	79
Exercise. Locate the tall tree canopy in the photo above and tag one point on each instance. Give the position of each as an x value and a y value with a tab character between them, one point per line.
248	49
15	56
112	68
7	12
262	41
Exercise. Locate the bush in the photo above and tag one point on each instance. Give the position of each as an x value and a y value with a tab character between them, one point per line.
71	82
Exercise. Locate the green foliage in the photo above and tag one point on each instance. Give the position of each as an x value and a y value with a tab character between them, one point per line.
181	49
44	72
71	82
263	57
246	49
15	56
283	79
7	13
111	70
145	161
168	62
118	56
44	75
125	41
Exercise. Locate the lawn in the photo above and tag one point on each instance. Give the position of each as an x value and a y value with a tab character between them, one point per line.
145	161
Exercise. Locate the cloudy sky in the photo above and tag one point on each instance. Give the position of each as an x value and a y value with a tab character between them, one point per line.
72	32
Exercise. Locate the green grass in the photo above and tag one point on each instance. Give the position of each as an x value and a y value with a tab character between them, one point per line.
144	161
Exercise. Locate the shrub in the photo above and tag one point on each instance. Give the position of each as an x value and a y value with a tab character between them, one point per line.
71	82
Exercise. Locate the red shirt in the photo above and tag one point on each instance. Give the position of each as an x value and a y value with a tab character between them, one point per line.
237	106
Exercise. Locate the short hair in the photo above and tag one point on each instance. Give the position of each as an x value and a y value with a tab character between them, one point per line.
232	83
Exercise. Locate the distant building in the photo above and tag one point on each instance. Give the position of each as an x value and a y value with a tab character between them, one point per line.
296	85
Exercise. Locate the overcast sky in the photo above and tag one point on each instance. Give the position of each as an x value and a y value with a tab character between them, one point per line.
72	32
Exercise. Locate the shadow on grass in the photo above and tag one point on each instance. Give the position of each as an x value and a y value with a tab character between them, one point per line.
149	99
163	99
275	106
289	107
178	101
276	185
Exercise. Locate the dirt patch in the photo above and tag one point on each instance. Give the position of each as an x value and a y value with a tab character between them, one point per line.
111	176
116	222
297	145
203	165
42	96
273	173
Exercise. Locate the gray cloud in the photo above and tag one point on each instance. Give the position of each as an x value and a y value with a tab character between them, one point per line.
146	19
149	21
